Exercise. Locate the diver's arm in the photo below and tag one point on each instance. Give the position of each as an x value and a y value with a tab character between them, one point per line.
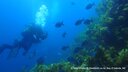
6	46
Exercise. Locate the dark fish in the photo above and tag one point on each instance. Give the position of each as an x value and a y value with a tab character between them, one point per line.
65	48
78	22
64	34
89	6
59	24
40	60
88	21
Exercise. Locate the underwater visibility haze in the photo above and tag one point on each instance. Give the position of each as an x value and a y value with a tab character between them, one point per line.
64	36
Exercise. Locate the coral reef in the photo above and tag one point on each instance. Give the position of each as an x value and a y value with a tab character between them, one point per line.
60	67
104	43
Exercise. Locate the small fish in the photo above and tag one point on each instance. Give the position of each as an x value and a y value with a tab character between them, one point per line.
89	6
59	24
64	34
78	22
88	21
65	48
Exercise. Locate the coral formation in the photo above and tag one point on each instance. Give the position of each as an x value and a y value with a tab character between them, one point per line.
103	44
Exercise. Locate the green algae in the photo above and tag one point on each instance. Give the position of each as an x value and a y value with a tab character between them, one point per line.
109	41
59	67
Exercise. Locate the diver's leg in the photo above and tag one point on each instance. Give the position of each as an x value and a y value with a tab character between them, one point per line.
26	47
13	53
25	51
5	46
1	49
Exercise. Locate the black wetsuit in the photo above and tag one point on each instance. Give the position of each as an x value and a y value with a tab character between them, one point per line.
33	34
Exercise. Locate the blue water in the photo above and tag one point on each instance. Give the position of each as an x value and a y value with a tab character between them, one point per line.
15	15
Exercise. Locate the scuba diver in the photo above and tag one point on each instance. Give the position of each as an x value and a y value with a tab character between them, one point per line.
31	35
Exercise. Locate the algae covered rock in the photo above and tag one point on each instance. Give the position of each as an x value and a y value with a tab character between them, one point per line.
104	43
